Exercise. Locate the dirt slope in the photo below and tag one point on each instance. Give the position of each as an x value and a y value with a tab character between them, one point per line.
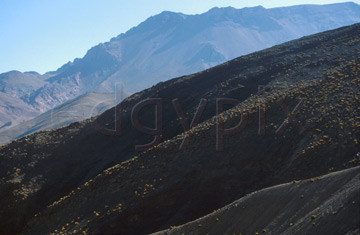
328	204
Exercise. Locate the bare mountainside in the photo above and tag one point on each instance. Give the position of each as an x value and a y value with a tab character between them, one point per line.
14	111
80	108
15	91
172	44
328	204
55	182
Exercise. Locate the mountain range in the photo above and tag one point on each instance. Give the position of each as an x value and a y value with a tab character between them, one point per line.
80	108
290	165
164	46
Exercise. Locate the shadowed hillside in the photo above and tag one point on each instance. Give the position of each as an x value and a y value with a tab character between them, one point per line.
57	182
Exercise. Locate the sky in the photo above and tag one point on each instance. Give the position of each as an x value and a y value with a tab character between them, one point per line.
42	35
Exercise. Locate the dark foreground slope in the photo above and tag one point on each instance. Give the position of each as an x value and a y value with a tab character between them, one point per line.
166	186
328	204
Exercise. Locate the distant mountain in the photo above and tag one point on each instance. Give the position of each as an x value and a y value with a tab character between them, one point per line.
15	91
174	44
14	111
21	85
80	108
52	182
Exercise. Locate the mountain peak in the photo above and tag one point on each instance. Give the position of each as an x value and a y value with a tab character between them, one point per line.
167	15
221	10
229	9
170	13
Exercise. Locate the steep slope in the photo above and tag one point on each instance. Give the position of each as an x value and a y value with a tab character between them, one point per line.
167	186
173	44
325	205
81	108
14	111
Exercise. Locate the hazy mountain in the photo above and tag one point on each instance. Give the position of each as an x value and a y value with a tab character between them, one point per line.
80	108
15	90
21	85
173	44
14	111
96	182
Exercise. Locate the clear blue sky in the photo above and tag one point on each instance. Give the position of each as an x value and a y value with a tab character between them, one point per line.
42	35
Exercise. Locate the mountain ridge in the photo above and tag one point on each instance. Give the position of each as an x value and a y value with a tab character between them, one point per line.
82	107
174	44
